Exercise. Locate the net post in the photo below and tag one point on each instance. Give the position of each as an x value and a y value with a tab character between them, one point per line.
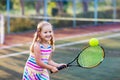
2	37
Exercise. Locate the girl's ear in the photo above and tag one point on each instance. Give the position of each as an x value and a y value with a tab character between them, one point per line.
35	34
38	33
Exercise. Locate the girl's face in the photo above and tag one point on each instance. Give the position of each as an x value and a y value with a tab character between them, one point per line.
46	33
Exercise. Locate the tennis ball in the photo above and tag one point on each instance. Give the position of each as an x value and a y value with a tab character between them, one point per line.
93	42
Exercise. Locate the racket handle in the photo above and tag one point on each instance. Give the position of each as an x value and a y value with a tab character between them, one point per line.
61	67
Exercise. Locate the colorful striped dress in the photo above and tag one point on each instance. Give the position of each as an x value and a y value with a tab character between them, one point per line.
34	72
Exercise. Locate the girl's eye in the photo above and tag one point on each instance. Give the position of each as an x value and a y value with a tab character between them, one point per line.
45	32
50	31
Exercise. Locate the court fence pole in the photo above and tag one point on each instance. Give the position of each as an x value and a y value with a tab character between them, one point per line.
45	9
74	13
114	9
8	16
95	11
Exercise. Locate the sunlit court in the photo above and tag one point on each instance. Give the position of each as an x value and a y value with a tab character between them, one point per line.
74	22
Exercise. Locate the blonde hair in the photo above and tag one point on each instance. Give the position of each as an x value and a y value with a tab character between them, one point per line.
37	37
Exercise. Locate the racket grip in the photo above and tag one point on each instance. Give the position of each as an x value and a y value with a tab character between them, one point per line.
61	67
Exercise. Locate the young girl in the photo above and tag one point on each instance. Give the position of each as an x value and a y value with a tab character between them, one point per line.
40	60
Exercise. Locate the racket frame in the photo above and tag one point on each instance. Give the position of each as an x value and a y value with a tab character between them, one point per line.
76	58
92	66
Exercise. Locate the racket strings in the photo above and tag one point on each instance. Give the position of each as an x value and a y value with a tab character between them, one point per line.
88	57
91	57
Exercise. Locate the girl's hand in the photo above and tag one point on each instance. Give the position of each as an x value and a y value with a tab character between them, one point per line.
54	70
62	64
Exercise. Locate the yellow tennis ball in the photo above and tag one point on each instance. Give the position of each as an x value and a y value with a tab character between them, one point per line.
93	42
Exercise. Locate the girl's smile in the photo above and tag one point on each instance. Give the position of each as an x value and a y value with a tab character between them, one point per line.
46	33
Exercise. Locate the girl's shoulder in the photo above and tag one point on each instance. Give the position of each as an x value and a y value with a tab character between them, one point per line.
45	47
37	44
41	46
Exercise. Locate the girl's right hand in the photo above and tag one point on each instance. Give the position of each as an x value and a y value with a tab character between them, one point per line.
54	70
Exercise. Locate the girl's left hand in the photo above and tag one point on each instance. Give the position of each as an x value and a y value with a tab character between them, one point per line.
61	64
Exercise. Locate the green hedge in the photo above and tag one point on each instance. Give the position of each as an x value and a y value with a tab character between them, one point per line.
23	24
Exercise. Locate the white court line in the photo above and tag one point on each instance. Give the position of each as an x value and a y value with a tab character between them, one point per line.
80	35
15	45
62	45
89	34
14	54
84	41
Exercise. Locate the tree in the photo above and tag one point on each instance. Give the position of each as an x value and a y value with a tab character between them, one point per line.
62	5
38	5
2	4
22	6
85	5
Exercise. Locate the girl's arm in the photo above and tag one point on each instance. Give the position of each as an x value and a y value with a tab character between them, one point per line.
51	62
38	59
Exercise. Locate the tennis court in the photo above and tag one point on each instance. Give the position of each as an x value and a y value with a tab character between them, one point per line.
74	21
103	72
12	65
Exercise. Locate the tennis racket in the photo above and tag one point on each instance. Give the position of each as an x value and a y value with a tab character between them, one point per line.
89	57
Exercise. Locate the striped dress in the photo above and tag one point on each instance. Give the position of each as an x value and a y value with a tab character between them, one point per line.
34	72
